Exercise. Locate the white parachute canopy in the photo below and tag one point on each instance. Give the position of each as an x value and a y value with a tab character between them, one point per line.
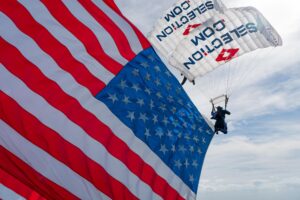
179	20
225	36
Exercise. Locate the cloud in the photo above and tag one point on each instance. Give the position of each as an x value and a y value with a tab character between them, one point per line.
271	86
259	159
240	164
143	13
266	63
278	93
283	15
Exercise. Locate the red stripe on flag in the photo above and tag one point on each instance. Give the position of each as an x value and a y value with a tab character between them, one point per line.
26	23
30	177
143	40
116	33
82	33
18	187
49	90
31	128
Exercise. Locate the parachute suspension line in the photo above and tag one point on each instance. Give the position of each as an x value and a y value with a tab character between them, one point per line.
226	101
210	81
242	64
235	73
251	68
239	65
242	67
264	55
220	99
219	83
228	83
233	77
229	77
213	84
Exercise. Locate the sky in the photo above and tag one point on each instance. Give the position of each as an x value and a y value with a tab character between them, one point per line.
259	158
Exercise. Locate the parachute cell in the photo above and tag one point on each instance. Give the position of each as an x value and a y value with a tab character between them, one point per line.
223	37
179	21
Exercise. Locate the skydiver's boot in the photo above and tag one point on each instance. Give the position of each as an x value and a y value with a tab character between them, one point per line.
224	131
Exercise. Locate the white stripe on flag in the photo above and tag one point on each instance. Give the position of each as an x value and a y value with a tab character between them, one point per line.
104	38
122	24
40	161
85	98
57	121
7	192
40	13
37	56
100	110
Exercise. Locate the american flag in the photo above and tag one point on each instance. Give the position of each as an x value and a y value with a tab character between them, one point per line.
88	110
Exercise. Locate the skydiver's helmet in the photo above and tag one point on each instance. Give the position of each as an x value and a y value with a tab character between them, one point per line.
219	108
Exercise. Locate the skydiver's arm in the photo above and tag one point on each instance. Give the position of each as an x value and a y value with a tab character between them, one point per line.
213	111
213	106
227	112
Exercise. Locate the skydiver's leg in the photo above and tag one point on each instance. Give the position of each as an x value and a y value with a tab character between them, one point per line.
225	127
216	128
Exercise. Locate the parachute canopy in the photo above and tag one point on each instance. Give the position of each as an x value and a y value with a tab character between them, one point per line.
223	37
179	20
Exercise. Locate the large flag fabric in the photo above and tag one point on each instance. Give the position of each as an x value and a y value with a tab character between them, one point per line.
16	188
88	110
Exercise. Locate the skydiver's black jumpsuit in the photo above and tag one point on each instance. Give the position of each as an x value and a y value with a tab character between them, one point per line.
219	116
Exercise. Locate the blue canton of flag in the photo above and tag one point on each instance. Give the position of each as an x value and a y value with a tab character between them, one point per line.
150	101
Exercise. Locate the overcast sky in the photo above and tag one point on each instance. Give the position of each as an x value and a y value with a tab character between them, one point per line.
260	158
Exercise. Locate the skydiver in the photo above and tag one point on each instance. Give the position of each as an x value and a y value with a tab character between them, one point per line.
219	116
